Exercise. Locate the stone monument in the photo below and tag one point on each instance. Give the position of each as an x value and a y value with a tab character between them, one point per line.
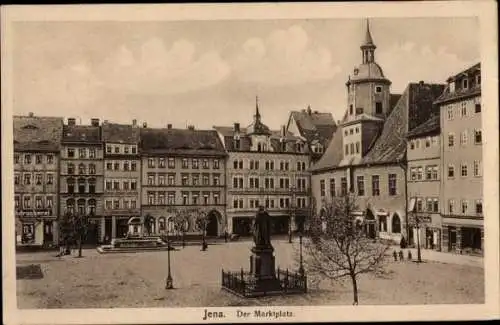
262	260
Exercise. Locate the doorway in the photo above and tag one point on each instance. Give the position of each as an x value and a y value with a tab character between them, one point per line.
48	235
213	223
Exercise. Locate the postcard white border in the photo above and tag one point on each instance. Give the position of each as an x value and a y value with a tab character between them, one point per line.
485	10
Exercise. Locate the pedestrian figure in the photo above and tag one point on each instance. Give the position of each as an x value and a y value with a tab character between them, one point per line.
225	236
395	256
401	257
409	255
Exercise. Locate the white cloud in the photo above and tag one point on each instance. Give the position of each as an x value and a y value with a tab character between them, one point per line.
408	62
158	70
284	57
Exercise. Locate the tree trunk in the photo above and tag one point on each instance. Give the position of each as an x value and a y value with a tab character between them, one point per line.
80	246
354	289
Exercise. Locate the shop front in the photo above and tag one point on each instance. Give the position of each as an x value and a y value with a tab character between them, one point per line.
36	228
463	236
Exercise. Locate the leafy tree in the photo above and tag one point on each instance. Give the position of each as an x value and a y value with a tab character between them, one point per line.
201	223
180	224
74	228
343	250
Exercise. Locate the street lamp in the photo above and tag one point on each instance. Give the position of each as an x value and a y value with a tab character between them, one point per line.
300	223
291	215
417	223
169	281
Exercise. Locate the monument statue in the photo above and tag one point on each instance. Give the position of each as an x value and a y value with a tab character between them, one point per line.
262	228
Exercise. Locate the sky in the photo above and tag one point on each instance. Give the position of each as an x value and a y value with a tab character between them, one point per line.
207	73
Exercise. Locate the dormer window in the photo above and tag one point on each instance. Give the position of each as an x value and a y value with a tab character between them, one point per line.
478	80
378	89
356	71
465	83
237	144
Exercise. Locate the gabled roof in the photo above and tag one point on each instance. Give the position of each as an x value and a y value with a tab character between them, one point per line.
37	133
81	133
120	133
181	141
314	125
459	93
431	126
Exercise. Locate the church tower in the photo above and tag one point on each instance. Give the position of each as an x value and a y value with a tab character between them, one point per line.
368	103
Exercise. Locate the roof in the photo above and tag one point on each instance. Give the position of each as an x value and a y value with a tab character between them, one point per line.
370	71
37	133
81	133
181	141
390	145
368	36
314	125
431	126
120	133
473	90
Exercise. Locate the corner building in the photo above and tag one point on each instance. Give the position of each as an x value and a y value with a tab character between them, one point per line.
462	151
264	168
122	179
182	175
367	155
36	179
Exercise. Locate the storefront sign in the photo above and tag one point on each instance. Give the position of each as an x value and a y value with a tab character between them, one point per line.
34	213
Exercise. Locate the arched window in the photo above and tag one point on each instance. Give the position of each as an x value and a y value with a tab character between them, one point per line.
70	206
92	185
92	206
396	224
81	185
81	206
161	224
259	147
71	185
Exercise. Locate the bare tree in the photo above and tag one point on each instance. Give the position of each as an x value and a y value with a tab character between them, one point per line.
343	250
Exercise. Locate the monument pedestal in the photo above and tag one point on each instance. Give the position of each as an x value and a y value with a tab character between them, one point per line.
262	269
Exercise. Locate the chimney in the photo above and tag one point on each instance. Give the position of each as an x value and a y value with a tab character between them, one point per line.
30	114
237	127
283	131
134	122
71	121
421	82
145	125
94	122
191	127
169	126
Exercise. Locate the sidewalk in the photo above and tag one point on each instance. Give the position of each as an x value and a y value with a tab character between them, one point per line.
442	257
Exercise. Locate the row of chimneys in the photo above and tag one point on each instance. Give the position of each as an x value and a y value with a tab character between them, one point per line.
95	122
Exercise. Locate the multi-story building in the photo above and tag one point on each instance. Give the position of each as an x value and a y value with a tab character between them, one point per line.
424	182
183	174
36	167
314	127
368	151
122	178
264	168
81	174
462	180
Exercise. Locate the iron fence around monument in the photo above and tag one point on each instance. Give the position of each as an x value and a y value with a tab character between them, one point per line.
243	283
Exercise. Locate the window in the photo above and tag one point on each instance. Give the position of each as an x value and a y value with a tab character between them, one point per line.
151	198
184	179
237	144
38	202
133	203
463	138
357	130
378	89
419	205
109	166
427	142
451	206
235	203
479	207
82	153
38	159
161	179
194	164
161	198
126	149
205	164
464	109
477	108
27	159
116	166
81	185
133	166
450	113
92	169
463	170
185	198
428	172
205	198
361	185
375	185
451	140
216	180
477	137
351	109
126	185
81	169
357	147
451	171
117	149
435	172
352	148
133	185
343	186
50	202
206	180
435	206
17	179
216	163
171	163
70	206
27	179
332	187
16	202
108	185
420	173
108	149
465	206
195	196
346	133
321	187
161	163
185	163
378	108
92	185
16	158
171	179
92	153
359	110
392	184
465	83
71	185
71	153
216	198
116	204
134	150
477	168
151	179
38	179
125	165
171	198
429	204
151	162
413	173
27	202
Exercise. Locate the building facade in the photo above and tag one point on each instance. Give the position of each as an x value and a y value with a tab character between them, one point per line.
183	176
122	179
462	176
36	169
82	175
367	155
265	168
424	182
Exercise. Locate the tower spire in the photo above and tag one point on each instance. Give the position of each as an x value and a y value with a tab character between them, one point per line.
368	35
368	47
257	113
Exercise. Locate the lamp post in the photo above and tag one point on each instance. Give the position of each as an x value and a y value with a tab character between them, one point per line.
292	214
300	223
417	222
169	282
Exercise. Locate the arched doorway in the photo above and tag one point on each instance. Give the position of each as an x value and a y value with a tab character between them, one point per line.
396	224
370	224
213	223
